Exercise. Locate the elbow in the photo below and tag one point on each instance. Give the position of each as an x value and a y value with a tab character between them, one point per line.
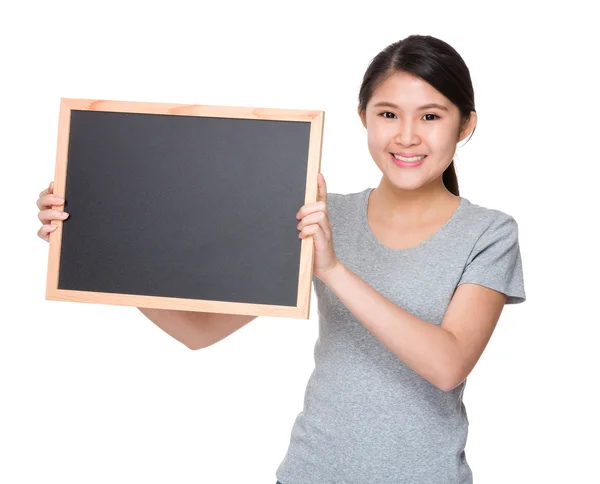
452	372
448	387
450	381
194	345
444	385
200	344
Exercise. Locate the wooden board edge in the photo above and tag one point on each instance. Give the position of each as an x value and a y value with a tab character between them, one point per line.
245	112
161	302
305	275
60	178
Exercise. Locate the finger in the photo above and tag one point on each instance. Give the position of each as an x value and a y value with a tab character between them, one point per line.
321	240
322	188
319	218
47	216
310	208
50	189
45	231
49	200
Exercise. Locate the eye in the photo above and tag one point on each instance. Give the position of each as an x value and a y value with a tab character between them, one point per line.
389	112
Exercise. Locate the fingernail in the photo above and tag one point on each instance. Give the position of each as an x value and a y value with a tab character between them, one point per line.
64	214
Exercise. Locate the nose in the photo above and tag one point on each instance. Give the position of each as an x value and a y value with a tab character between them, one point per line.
407	134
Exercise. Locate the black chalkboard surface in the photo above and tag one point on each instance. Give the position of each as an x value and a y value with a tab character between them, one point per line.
188	207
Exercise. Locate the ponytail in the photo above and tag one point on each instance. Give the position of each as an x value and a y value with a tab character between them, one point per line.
450	180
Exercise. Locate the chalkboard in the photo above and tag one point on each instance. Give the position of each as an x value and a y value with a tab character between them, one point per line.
189	207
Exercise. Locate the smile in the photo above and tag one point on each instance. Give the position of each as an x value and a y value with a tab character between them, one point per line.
408	162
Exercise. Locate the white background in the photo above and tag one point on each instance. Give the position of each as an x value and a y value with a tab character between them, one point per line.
99	394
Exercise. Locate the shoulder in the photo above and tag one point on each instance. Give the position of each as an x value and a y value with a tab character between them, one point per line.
489	228
486	219
494	260
340	202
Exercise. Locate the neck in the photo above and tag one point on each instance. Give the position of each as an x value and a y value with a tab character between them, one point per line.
411	205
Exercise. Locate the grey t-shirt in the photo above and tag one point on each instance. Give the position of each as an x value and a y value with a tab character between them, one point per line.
368	418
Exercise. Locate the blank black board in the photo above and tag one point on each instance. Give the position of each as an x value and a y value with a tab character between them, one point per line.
180	206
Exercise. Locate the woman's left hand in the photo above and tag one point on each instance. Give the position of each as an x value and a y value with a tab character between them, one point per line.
315	221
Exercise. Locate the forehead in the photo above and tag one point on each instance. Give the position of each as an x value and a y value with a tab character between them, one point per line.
408	92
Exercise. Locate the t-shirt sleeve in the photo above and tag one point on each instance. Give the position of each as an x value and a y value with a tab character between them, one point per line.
495	261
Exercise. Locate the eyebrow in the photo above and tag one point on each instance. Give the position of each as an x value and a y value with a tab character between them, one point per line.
426	106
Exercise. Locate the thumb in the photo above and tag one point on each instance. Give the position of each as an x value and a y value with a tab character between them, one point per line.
322	188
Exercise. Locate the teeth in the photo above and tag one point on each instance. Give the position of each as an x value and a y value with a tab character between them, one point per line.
409	160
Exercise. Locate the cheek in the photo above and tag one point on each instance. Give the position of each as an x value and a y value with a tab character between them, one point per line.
442	138
377	147
379	138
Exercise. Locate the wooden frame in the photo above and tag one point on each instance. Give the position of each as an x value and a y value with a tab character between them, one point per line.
302	308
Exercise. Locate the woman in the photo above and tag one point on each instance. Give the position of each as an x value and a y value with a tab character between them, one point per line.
411	279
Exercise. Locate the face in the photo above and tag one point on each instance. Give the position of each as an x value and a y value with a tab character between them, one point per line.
403	126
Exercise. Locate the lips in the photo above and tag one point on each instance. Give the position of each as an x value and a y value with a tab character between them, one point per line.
408	158
407	164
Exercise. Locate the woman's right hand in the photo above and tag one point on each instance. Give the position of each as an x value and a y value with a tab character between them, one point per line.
46	215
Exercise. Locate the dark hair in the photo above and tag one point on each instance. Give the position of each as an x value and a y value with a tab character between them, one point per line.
438	64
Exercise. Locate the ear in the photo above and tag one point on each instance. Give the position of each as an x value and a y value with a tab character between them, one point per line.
469	126
363	119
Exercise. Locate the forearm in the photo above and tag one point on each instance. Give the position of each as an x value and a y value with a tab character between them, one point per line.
428	349
185	326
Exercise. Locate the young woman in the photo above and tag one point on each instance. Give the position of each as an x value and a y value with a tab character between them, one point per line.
411	279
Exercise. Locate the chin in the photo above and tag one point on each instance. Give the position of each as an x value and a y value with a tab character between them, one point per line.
409	179
403	182
407	186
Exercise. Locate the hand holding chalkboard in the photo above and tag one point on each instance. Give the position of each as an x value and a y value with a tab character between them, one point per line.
50	210
315	222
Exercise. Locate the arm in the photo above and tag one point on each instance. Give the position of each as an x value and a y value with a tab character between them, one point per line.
444	355
194	329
